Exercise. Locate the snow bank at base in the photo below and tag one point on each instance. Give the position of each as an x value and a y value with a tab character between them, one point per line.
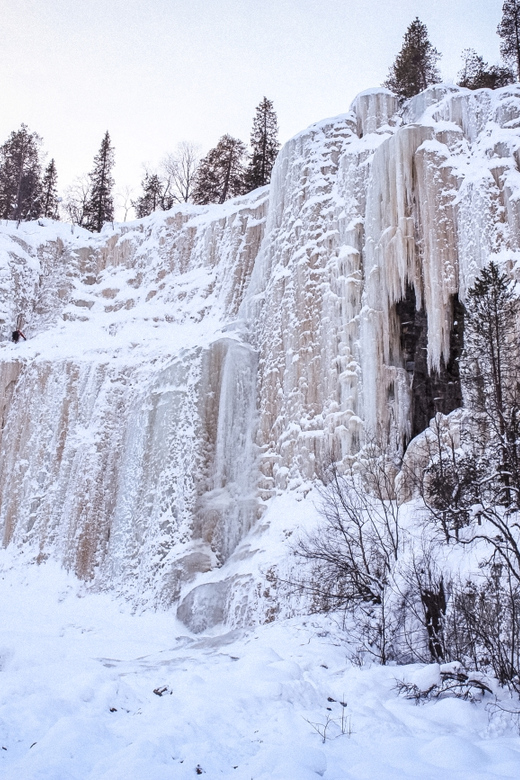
78	673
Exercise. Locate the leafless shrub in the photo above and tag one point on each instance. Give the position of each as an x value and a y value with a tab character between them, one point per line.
339	726
351	555
459	685
484	625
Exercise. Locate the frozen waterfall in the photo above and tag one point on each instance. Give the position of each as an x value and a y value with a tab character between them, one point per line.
183	369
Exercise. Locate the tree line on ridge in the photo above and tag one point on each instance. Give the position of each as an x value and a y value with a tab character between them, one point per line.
30	191
228	170
415	67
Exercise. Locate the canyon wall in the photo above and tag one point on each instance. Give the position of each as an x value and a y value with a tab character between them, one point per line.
183	369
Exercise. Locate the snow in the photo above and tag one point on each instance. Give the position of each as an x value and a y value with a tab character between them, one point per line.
78	673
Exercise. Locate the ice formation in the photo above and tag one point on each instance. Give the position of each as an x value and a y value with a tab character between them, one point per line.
183	369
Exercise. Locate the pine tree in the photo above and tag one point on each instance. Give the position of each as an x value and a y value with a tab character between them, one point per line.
491	370
477	74
49	194
20	175
509	31
265	146
152	198
220	174
100	206
415	67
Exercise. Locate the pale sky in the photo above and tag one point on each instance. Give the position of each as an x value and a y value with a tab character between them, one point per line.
156	72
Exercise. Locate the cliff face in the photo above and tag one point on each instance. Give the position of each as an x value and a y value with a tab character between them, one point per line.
183	369
378	223
127	445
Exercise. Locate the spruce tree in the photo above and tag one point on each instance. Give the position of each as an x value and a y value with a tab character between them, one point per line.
509	31
265	146
491	371
415	67
20	175
477	74
100	206
152	198
220	174
206	188
49	194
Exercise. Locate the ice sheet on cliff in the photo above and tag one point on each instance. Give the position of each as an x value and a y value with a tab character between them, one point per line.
183	369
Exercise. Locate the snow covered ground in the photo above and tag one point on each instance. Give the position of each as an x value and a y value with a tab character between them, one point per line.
78	673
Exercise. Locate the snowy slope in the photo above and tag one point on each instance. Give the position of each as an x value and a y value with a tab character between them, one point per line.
184	369
78	674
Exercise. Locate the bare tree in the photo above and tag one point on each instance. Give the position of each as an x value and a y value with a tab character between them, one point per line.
179	171
75	201
352	554
124	197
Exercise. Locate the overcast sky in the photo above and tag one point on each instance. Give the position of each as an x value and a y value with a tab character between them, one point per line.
155	72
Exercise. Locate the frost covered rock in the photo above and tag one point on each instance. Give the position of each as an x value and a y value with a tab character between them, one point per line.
444	433
204	607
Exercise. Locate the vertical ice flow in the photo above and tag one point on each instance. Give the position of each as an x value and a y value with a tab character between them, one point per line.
184	368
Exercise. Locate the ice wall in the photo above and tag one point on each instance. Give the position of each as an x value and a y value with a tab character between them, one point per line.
182	370
363	208
127	447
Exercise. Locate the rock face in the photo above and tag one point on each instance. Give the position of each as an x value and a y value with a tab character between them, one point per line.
183	369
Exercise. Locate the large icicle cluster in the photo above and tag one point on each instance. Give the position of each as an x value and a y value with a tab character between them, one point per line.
182	369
